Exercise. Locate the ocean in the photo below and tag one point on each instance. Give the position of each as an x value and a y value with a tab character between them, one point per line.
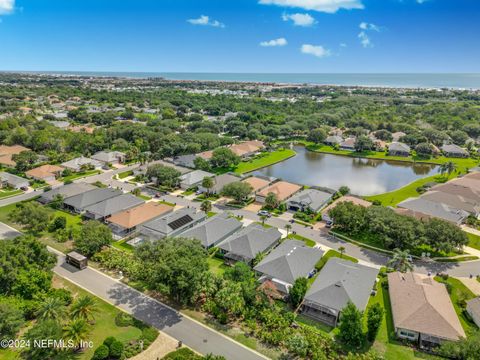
453	81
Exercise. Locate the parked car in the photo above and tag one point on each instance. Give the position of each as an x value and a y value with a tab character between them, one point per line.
264	213
329	224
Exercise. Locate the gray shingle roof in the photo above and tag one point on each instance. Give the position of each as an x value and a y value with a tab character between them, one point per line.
435	209
341	281
113	205
83	200
78	162
454	149
13	179
289	261
194	177
67	191
251	241
185	160
108	156
222	180
312	198
214	230
399	147
163	225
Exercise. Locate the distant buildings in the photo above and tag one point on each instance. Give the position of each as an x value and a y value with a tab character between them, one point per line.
6	153
193	178
109	157
398	149
13	181
78	163
309	200
452	150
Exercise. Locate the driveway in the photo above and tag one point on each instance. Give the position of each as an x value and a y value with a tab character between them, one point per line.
190	332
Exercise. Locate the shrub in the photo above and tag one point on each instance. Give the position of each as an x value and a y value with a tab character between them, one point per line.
149	334
182	354
109	340
116	349
62	294
122	319
102	352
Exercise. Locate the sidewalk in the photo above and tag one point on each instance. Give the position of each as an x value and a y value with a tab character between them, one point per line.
472	284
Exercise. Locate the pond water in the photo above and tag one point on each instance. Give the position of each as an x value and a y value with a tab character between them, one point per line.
362	176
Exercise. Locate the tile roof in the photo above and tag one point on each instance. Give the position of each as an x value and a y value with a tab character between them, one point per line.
256	183
281	189
421	304
44	171
138	215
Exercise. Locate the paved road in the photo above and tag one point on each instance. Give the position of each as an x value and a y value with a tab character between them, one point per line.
18	198
192	333
7	232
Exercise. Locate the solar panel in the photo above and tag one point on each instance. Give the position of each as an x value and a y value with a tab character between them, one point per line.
184	220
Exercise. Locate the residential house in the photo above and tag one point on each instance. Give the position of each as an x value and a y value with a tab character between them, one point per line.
309	200
247	148
109	157
78	163
257	183
47	173
65	191
78	203
333	140
6	153
246	244
348	144
422	310
106	208
338	283
282	190
398	149
219	182
214	230
472	206
185	160
473	309
126	222
452	150
13	181
171	224
289	261
193	178
142	169
435	209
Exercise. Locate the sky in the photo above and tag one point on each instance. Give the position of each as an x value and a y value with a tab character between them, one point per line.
259	36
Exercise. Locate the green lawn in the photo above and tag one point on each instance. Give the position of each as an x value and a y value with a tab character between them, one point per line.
216	265
8	193
459	293
122	245
308	242
264	160
330	254
125	174
211	213
474	241
79	175
144	197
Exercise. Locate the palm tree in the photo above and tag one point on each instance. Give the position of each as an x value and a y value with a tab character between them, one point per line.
208	183
206	206
447	167
263	218
341	249
51	309
401	261
76	330
288	227
84	308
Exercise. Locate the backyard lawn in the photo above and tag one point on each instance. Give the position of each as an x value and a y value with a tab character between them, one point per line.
216	265
79	175
264	160
122	245
474	241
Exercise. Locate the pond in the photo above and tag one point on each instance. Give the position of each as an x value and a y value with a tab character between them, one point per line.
362	176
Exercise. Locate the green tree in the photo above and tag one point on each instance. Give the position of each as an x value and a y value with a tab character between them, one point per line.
271	201
57	201
401	261
201	164
424	149
447	168
32	215
351	326
240	272
349	217
444	236
341	250
76	330
374	320
208	183
459	137
237	190
102	352
11	320
40	331
229	298
363	143
60	222
298	345
163	175
344	190
92	237
224	158
206	206
24	160
298	291
52	308
317	136
84	308
288	227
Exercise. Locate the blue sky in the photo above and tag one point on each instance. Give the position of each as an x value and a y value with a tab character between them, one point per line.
309	36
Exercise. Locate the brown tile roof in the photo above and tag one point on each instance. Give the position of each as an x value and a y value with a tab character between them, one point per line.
247	147
6	153
256	183
44	171
421	304
139	215
416	214
282	189
207	155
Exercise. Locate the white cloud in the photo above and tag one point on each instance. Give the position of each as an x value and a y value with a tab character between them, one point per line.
204	20
315	50
7	6
274	42
365	40
367	26
328	6
300	19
